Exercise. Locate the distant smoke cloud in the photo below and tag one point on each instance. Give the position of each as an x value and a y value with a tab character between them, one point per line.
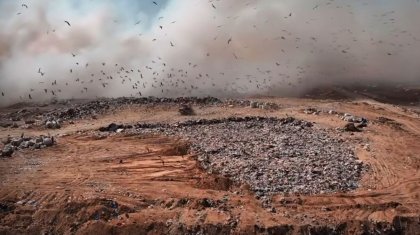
191	48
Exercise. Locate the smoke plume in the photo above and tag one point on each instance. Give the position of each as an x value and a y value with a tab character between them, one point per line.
201	47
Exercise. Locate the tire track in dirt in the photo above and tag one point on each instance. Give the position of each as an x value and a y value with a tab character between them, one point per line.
66	188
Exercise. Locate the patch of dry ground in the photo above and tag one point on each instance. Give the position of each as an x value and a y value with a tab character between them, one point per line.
147	185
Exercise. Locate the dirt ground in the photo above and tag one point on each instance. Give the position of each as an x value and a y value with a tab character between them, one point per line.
146	185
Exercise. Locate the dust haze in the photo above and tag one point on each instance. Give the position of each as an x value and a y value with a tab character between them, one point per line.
200	48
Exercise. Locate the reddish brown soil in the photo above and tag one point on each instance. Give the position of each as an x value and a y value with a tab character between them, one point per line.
146	185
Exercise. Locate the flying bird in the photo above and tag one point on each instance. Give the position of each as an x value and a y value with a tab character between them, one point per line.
172	45
155	3
229	40
24	5
67	22
213	6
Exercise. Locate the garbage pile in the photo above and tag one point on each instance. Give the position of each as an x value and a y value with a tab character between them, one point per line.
270	155
18	143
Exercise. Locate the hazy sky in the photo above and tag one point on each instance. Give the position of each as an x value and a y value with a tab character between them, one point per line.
202	47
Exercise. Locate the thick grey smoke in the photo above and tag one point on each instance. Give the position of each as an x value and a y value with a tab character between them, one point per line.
200	47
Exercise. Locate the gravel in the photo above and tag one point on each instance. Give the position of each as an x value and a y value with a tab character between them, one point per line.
270	155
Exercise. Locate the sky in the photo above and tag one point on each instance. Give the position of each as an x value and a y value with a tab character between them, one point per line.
202	47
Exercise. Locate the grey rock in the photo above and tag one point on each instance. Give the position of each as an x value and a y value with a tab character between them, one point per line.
37	145
38	140
24	144
31	143
16	142
49	125
7	151
48	141
350	127
52	124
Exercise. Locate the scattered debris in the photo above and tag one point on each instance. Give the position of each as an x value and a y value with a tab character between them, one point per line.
115	128
186	110
360	121
90	110
53	124
350	127
270	155
332	112
253	104
312	111
351	118
13	144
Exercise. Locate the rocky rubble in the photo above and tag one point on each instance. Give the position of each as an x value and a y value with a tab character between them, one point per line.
249	103
53	124
350	127
13	144
115	127
54	118
186	110
271	155
354	123
89	109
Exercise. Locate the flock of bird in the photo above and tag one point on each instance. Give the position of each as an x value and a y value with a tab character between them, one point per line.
161	77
